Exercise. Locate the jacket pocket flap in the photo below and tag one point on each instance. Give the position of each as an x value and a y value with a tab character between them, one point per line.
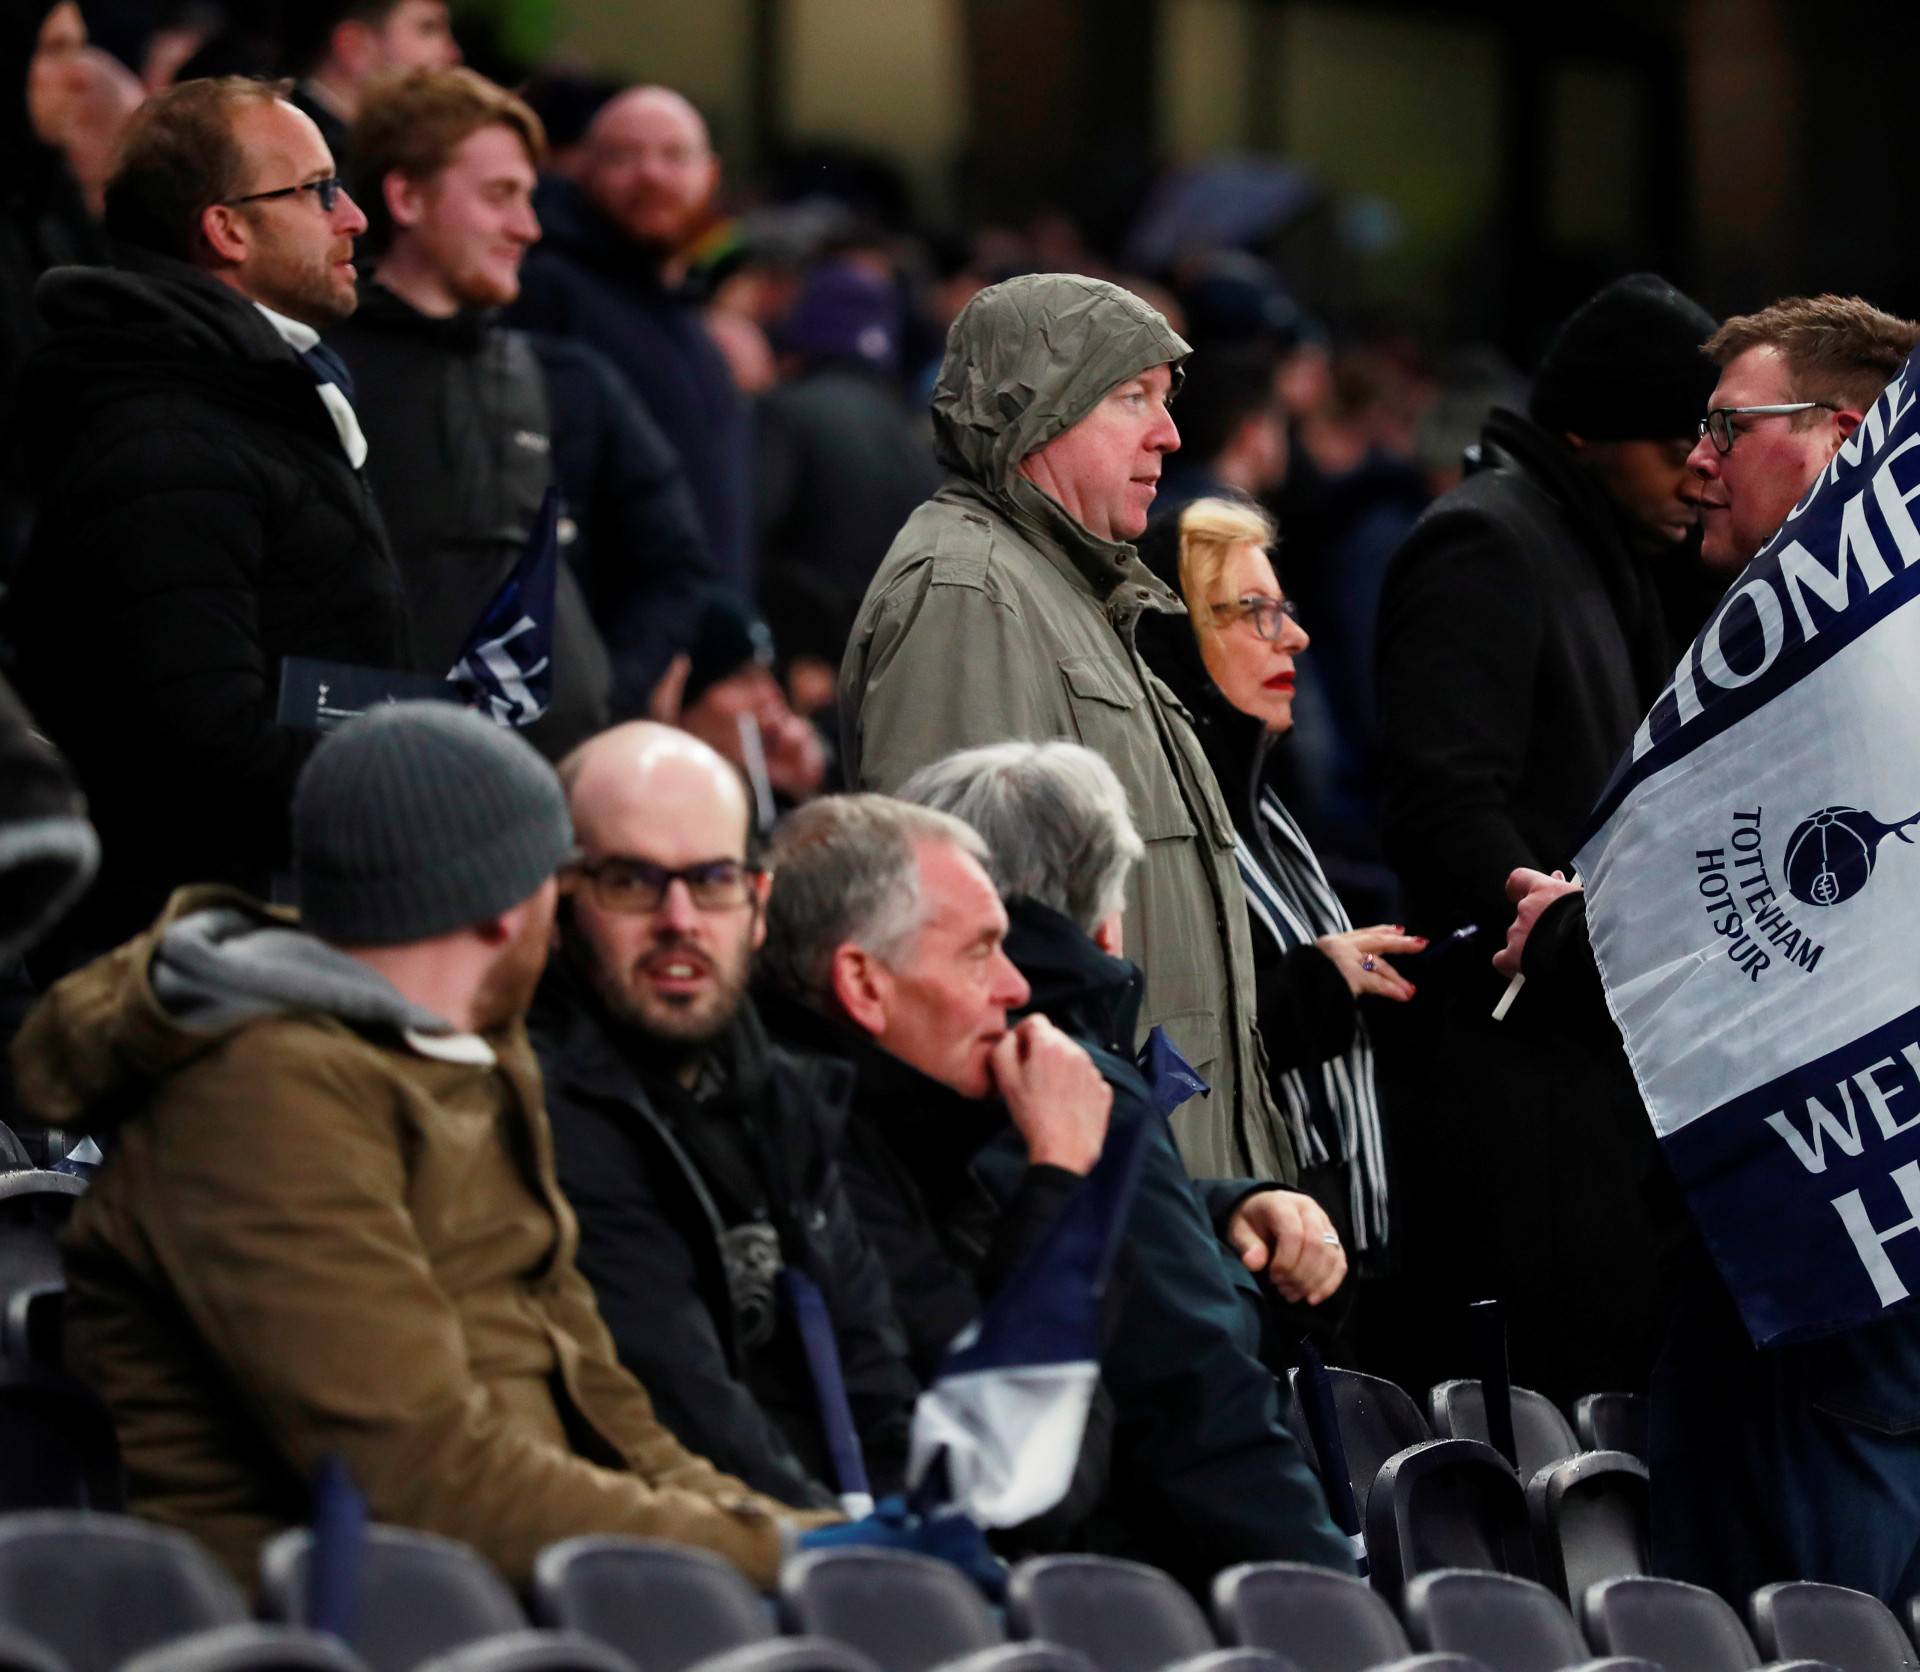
1086	677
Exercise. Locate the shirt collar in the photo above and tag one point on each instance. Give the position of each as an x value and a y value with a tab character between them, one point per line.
300	338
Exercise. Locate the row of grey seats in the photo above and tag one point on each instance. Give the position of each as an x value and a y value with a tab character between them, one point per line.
89	1592
1430	1491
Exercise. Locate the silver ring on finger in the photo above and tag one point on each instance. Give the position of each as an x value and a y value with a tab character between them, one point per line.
1366	963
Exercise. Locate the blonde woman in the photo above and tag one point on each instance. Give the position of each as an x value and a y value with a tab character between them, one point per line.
1232	662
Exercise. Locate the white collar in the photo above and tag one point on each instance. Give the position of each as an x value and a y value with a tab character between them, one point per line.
466	1048
299	337
346	422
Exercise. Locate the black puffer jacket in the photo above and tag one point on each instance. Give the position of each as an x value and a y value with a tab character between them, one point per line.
651	1228
585	281
199	523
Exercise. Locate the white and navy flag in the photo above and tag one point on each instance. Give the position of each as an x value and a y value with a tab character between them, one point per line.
1753	895
997	1433
505	668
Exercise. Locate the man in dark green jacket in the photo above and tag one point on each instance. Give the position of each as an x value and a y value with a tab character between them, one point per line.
1006	609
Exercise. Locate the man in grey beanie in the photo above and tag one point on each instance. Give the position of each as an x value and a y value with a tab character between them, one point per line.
328	1222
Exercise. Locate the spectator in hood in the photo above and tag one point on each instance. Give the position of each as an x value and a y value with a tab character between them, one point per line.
842	461
610	272
203	512
1521	640
1007	608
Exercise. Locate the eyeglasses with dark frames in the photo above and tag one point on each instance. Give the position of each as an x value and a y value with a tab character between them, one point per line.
1719	422
326	192
1265	613
621	884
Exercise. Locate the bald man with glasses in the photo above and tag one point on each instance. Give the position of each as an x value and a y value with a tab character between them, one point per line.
697	1154
203	514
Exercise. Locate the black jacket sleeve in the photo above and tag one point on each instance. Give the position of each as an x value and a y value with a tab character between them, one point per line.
1459	635
1306	1012
1205	1473
644	553
648	1292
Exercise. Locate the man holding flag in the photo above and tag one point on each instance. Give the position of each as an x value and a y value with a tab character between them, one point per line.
1737	910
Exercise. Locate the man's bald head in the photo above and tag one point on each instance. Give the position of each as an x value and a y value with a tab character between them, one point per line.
619	779
664	912
650	167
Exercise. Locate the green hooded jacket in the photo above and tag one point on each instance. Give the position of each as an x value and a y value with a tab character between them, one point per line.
997	615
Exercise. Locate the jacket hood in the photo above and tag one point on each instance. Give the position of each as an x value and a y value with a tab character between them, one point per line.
215	961
383	310
1028	359
152	323
1086	993
153	305
571	225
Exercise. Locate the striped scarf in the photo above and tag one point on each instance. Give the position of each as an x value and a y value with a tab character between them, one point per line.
1332	1108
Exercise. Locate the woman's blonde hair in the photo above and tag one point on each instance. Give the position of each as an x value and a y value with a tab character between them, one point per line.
1211	530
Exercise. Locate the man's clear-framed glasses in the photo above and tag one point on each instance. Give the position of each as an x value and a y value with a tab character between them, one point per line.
1263	612
1718	424
326	192
625	885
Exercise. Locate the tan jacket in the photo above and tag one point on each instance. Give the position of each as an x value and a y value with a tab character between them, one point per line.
315	1237
996	615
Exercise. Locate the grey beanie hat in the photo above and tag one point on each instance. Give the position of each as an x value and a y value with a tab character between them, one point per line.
419	818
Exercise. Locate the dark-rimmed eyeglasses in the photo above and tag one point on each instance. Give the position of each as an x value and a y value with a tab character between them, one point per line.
621	884
1718	424
326	192
1265	613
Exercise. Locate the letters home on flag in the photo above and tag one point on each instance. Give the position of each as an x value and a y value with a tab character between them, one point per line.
1753	895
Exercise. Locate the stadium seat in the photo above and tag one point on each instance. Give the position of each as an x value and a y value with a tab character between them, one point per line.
1855	1631
57	1445
905	1611
1377	1419
1446	1504
33	1209
1664	1620
420	1595
662	1605
98	1589
1541	1435
1612	1422
249	1648
1323	1621
1590	1519
1513	1625
1123	1616
1438	1662
30	1327
795	1654
531	1651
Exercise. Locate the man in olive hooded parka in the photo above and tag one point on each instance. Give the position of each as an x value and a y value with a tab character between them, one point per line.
996	614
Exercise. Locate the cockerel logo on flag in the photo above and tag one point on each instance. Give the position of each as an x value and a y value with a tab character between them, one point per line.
506	668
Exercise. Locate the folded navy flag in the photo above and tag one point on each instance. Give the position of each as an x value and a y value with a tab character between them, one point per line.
506	668
1170	1078
997	1434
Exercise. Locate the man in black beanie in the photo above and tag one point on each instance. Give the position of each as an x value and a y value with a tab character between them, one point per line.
328	1222
1521	638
